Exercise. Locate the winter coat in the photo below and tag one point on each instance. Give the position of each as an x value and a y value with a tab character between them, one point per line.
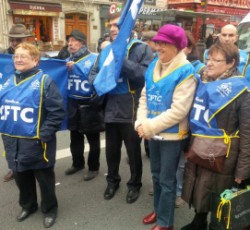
27	154
200	183
85	115
121	108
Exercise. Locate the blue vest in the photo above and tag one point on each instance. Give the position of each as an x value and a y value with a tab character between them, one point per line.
247	72
198	66
78	83
243	62
21	106
122	86
210	99
160	93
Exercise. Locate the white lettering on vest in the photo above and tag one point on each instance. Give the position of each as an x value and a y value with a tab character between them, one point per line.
78	84
198	109
152	97
17	112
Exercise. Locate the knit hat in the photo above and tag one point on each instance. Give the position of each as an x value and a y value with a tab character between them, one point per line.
18	31
78	35
172	34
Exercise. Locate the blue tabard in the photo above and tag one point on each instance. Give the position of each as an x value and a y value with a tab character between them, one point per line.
122	86
210	99
160	93
198	66
21	106
247	73
78	83
243	62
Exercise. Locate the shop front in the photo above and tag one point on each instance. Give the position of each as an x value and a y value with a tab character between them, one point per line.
148	18
209	16
41	19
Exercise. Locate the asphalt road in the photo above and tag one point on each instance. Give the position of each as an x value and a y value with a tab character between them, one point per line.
81	204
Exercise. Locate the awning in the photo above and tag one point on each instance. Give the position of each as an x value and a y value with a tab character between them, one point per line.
191	14
35	8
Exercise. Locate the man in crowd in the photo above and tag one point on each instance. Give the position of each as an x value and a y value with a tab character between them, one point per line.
79	97
17	34
121	105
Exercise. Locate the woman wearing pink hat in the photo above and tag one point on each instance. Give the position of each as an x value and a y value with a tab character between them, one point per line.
162	118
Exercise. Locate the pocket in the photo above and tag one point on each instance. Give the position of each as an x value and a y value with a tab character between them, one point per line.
30	152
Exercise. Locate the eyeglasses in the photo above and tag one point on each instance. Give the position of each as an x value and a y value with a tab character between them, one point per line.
20	57
214	61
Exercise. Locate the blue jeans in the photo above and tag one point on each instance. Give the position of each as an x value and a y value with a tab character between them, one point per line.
164	159
179	174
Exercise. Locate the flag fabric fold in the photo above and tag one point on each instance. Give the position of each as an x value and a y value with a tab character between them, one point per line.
106	79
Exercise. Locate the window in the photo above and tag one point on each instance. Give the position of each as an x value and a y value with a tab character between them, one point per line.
150	2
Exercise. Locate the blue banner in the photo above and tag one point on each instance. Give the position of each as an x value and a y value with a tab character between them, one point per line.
109	73
55	68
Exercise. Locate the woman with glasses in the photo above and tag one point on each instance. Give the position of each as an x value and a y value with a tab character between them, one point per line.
31	112
221	109
17	34
162	118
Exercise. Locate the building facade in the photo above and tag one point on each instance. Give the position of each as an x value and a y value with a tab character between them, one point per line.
203	17
49	22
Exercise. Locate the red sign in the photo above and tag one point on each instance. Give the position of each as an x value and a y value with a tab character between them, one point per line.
35	6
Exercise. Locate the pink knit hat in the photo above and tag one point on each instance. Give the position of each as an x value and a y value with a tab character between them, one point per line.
172	34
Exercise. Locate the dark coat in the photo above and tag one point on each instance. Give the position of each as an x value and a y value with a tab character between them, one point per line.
26	154
85	111
199	183
121	108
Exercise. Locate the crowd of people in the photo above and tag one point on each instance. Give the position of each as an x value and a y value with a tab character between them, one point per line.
165	95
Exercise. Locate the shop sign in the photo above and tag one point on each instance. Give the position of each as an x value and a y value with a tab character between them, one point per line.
21	5
231	3
36	13
149	10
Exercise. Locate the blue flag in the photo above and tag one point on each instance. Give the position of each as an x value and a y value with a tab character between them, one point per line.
109	73
56	69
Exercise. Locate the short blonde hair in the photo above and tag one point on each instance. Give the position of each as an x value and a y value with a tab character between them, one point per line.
33	50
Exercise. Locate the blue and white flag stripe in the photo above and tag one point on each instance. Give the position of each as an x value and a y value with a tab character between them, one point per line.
106	79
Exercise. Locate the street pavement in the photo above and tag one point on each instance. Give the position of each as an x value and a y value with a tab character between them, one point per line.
81	203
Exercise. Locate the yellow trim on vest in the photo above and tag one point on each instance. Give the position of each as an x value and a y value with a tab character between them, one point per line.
227	139
26	79
81	59
168	73
44	145
190	76
225	105
40	108
182	133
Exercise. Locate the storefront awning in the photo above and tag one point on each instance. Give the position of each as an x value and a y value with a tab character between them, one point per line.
35	8
190	14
